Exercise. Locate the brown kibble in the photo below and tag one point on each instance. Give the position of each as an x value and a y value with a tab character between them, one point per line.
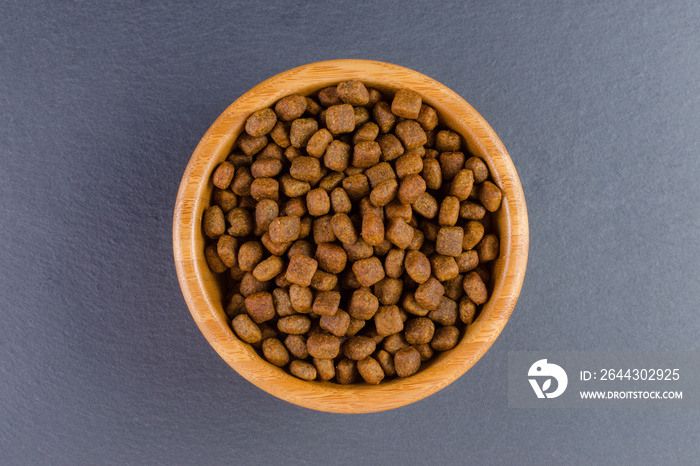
340	118
346	372
305	169
251	285
331	257
225	199
411	163
372	229
427	118
411	188
387	320
242	180
478	167
246	329
282	303
473	232
223	175
251	145
359	250
326	303
213	222
265	188
462	184
343	229
323	281
329	96
432	173
446	312
426	352
290	107
366	154
449	211
261	122
302	369
449	241
475	288
410	134
361	116
355	326
312	107
325	368
394	263
445	338
294	207
235	306
213	260
284	229
249	255
388	290
340	201
399	233
448	141
410	305
337	324
396	210
301	269
318	202
359	347
467	310
260	307
391	147
265	212
370	370
227	250
323	346
383	117
467	261
337	156
490	196
357	186
407	361
417	266
323	233
296	344
419	330
301	298
353	92
367	132
368	271
280	134
292	187
301	131
268	269
363	304
471	211
450	164
444	267
488	248
275	352
406	104
379	173
384	192
386	361
426	205
292	153
428	294
319	142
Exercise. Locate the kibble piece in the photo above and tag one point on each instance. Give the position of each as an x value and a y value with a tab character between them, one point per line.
361	116
225	199
319	142
450	164
290	107
337	156
265	212
488	248
419	330
294	207
447	141
213	260
274	248
426	205
268	269
292	153
410	305
284	229
475	288
383	248
292	187
394	263
325	368
388	290
384	192
432	173
462	184
359	250
355	326
411	188
265	188
386	360
471	210
449	241
473	232
301	131
446	312
366	154
312	107
363	304
359	347
483	272
260	307
370	370
394	343
242	180
301	298
383	117
282	303
294	324
417	266
306	169
302	369
428	294
379	173
444	267
367	132
246	329
343	228
406	104
213	222
391	147
407	361
340	201
396	210
445	338
323	345
227	250
337	324
326	303
329	96
323	281
323	233
357	186
427	118
467	310
251	145
346	371
467	261
353	92
410	134
301	269
340	119
305	226
249	255
280	134
372	229
478	167
490	196
235	306
223	175
411	163
399	233
387	320
318	202
275	352
261	122
251	285
296	344
331	257
449	211
368	271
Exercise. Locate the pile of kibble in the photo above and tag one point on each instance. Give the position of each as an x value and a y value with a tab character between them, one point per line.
354	232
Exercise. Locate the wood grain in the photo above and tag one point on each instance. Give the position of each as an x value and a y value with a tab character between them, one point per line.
201	288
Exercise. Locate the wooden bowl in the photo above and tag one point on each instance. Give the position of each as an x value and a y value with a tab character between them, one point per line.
202	290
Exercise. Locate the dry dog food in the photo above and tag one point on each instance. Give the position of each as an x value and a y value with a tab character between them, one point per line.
353	232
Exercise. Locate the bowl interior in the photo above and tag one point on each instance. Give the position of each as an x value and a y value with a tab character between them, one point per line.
202	290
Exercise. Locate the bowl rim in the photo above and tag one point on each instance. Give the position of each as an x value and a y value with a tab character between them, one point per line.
200	287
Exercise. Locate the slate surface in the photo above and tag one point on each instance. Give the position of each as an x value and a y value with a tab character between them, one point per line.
101	105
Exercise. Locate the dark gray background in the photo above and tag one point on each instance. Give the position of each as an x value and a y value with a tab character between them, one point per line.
101	106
